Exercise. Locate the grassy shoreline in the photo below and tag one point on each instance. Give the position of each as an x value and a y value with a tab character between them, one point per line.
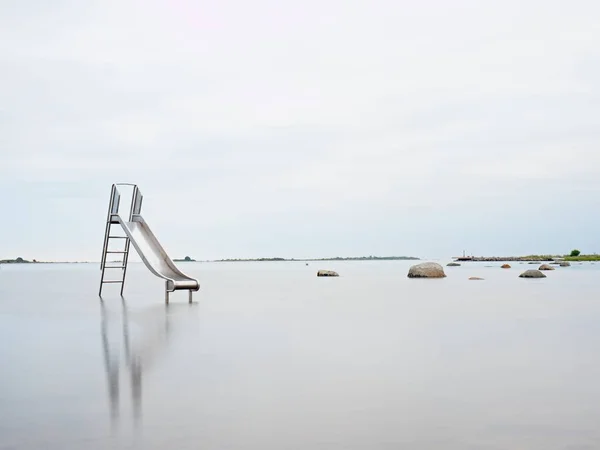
582	258
529	258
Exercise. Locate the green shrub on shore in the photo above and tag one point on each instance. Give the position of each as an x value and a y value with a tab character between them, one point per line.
575	252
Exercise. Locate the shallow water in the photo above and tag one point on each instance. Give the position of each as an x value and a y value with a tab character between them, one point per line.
271	357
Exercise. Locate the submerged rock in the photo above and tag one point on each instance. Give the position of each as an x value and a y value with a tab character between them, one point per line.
546	267
327	273
426	270
532	273
453	264
565	264
505	266
475	278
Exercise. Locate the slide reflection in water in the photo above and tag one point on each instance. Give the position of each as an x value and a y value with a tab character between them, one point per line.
132	343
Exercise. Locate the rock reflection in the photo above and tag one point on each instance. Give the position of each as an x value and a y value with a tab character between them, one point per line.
139	337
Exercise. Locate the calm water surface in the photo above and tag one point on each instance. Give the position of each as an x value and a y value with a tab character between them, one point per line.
271	357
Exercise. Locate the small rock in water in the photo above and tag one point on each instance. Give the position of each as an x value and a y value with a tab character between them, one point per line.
505	266
532	274
453	264
565	264
546	267
475	278
426	270
327	273
533	262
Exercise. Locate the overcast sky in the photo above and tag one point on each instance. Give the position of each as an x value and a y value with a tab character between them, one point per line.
306	128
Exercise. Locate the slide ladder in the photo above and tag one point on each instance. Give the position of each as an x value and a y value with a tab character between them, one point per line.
137	232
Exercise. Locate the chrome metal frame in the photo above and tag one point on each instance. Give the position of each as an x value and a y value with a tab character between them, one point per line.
137	232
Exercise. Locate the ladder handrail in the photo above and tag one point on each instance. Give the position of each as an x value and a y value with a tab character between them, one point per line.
107	230
128	241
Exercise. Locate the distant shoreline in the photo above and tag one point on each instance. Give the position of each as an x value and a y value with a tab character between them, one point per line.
505	258
529	258
337	258
11	262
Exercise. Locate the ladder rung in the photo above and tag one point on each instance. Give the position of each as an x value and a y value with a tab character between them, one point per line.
114	267
117	237
114	251
112	281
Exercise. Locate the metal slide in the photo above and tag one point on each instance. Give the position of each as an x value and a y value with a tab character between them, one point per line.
138	233
155	257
